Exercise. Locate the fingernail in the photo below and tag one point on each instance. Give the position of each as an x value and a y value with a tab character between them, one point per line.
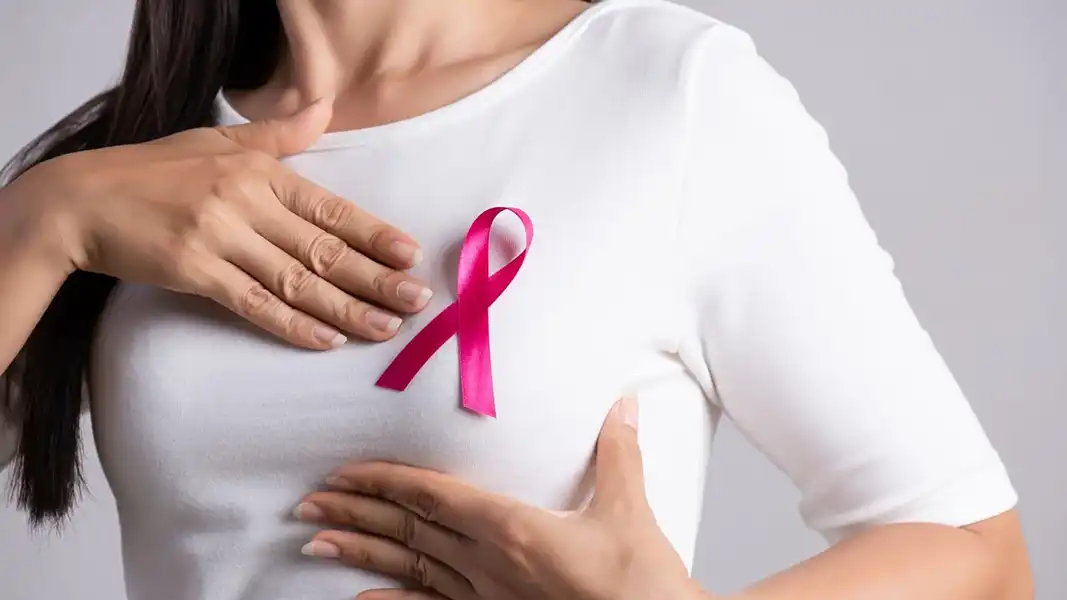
628	411
413	293
339	483
329	336
409	253
320	549
383	322
306	511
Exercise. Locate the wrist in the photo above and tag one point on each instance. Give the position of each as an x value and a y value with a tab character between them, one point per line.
37	221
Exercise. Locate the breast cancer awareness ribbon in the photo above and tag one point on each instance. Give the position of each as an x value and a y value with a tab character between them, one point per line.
467	318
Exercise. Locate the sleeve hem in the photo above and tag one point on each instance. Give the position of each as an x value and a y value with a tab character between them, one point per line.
981	495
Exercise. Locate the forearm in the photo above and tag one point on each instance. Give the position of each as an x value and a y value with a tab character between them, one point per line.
913	561
33	266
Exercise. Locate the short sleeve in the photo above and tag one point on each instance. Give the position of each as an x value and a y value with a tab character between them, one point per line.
795	323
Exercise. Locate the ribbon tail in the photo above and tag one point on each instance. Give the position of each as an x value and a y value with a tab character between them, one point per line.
411	359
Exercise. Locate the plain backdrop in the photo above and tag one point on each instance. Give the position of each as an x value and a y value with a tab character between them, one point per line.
952	119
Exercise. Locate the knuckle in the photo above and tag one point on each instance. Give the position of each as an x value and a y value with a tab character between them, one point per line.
256	301
381	282
294	327
294	281
325	252
349	515
200	231
225	167
332	212
256	161
516	535
209	220
516	545
380	237
374	488
625	556
187	269
360	556
407	530
350	312
426	505
419	571
227	187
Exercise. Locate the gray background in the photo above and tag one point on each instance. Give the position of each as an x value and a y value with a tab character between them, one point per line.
952	118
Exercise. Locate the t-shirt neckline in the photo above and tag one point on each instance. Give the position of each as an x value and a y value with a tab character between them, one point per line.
496	89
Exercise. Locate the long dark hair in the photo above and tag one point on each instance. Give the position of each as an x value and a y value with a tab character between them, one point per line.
181	54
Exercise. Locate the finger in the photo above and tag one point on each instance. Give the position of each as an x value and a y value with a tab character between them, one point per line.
297	286
620	480
435	497
342	218
238	291
284	136
400	595
388	558
335	261
386	520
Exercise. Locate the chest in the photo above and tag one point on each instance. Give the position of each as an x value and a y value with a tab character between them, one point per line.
191	402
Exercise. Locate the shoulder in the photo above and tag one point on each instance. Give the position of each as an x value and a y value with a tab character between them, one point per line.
649	24
656	48
660	30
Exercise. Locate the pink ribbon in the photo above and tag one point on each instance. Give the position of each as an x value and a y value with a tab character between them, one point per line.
467	318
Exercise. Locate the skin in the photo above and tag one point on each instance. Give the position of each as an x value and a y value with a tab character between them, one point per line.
212	212
209	212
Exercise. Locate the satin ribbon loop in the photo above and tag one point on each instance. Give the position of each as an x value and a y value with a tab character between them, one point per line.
467	318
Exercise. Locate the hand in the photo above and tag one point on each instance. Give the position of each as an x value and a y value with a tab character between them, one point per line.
460	543
212	212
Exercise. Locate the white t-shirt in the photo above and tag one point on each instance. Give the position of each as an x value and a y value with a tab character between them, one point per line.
696	242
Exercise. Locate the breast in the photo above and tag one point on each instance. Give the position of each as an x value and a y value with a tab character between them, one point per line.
210	431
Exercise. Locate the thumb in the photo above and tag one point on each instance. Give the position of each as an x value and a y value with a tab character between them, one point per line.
620	478
286	135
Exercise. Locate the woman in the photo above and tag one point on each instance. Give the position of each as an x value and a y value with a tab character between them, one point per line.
697	243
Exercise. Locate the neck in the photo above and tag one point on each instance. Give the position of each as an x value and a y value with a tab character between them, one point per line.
336	44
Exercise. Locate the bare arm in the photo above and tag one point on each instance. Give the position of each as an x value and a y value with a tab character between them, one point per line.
33	264
32	268
809	344
210	212
984	561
